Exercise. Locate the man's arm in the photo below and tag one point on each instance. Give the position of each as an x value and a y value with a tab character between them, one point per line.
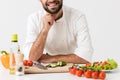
70	58
83	51
38	46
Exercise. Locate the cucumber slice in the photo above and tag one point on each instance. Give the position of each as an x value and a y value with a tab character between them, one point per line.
61	63
52	65
58	64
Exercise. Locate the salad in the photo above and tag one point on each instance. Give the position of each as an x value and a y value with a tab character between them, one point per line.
108	64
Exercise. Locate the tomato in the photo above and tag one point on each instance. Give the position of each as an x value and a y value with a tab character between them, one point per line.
88	74
102	75
72	70
79	73
95	74
104	63
30	62
25	62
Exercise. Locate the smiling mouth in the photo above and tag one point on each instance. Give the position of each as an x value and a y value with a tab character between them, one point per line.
52	5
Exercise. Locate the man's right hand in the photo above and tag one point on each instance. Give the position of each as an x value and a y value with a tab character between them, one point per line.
48	21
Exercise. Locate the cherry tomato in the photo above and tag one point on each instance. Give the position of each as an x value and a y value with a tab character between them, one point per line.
102	75
72	70
88	73
79	73
104	63
95	74
74	67
25	62
30	62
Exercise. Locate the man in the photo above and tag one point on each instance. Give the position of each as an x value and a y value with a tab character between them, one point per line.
58	33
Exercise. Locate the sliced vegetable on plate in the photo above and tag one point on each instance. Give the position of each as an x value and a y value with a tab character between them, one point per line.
107	65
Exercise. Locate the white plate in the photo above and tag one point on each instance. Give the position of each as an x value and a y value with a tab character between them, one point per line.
113	70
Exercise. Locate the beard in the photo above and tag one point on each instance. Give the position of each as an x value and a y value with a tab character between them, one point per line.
53	10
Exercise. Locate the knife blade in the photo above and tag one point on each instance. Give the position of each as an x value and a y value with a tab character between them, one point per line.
39	65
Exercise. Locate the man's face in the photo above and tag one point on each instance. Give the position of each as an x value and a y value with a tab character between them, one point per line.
52	6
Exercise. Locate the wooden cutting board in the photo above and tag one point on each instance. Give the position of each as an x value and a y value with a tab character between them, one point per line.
35	70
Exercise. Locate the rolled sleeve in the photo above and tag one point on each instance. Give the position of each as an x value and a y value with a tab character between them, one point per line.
84	47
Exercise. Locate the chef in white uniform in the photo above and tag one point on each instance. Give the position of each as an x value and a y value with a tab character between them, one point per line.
58	33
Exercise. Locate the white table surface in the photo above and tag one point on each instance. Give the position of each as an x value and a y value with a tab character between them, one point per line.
4	75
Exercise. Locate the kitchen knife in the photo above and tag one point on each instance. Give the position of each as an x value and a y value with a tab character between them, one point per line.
39	65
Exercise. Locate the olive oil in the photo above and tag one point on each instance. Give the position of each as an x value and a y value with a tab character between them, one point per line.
13	50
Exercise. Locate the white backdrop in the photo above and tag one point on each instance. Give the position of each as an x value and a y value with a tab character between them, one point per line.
103	18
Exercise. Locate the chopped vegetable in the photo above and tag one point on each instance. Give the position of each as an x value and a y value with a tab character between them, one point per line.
52	65
109	64
61	63
58	64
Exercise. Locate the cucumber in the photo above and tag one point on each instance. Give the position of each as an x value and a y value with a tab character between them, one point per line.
58	64
52	65
61	63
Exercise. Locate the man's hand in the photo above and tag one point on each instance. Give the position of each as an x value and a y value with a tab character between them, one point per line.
48	21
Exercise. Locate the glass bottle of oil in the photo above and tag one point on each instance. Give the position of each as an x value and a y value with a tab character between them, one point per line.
13	50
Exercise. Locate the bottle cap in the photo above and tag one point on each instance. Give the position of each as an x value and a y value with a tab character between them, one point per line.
14	37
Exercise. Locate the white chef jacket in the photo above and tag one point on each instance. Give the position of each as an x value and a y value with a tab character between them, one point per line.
67	35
